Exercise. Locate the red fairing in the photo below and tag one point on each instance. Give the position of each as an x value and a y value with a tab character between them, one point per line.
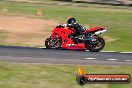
96	30
67	43
62	33
93	29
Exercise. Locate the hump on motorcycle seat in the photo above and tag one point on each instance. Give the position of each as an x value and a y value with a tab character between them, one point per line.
94	29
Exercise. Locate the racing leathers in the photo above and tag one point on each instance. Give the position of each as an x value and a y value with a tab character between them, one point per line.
78	29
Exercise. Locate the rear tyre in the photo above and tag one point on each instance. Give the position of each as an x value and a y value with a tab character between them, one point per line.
96	47
47	42
53	42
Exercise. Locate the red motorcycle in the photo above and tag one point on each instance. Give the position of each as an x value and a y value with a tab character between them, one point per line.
87	40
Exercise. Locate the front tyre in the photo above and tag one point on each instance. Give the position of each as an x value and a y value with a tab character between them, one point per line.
53	42
95	46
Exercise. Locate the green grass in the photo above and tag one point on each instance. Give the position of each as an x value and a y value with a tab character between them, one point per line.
14	75
118	21
3	36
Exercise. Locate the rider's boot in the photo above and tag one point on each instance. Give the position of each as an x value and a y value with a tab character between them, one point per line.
73	38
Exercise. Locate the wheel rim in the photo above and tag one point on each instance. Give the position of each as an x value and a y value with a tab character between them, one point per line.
57	42
96	44
54	43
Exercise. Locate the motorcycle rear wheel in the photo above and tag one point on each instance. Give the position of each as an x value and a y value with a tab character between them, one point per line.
53	43
97	47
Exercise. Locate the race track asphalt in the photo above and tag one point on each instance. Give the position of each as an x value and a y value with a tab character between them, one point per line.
57	56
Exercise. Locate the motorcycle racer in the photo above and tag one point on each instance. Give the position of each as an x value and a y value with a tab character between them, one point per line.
73	36
78	29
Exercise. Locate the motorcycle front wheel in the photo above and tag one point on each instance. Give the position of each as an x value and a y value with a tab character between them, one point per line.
53	42
95	46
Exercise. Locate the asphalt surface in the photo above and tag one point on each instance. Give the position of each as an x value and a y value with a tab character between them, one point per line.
56	56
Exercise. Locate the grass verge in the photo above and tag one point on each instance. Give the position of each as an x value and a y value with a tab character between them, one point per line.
13	75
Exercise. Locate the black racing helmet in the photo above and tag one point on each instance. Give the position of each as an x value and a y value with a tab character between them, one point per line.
71	20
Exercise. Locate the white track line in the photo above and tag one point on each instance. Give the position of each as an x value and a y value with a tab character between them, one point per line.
111	51
112	59
125	52
128	60
107	51
100	51
90	58
41	47
86	50
103	51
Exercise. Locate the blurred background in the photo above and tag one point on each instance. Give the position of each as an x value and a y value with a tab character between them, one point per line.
30	22
110	2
